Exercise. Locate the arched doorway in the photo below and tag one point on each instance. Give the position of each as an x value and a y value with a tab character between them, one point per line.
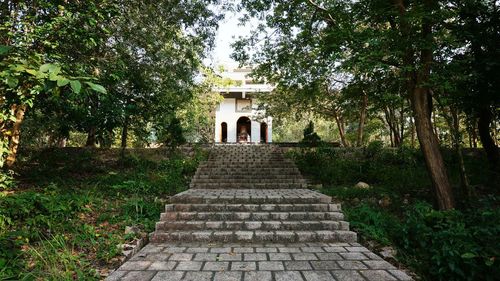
223	132
263	132
243	129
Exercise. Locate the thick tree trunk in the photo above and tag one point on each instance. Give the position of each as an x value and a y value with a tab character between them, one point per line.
483	126
340	126
412	141
421	102
402	124
362	117
19	111
62	142
390	118
91	138
430	147
474	137
125	132
457	140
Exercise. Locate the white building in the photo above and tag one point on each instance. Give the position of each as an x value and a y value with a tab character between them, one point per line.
237	118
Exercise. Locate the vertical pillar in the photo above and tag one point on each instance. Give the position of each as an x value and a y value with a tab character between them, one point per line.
255	131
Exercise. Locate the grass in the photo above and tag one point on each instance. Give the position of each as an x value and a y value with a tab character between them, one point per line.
66	217
398	210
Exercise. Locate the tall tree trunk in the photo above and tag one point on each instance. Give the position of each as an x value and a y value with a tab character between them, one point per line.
125	132
421	102
362	117
457	143
474	136
91	138
340	126
402	124
412	141
19	111
124	136
61	142
430	147
483	126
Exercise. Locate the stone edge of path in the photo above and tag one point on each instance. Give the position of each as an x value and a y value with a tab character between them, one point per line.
239	261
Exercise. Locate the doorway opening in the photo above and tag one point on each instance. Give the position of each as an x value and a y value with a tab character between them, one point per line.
243	129
223	134
263	132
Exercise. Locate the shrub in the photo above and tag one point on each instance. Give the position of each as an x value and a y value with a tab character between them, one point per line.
452	245
310	136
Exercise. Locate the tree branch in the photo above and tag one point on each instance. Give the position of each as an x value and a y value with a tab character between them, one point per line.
318	7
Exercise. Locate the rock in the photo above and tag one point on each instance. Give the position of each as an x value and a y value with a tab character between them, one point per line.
132	230
384	202
362	185
388	252
316	186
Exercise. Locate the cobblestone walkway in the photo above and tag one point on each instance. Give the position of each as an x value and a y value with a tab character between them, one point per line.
259	262
254	198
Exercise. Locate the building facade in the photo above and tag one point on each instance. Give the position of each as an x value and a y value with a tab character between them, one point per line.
238	118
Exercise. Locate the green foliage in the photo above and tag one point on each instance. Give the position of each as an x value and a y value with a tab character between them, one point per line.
439	245
173	135
452	245
310	136
54	258
397	209
70	218
375	224
385	167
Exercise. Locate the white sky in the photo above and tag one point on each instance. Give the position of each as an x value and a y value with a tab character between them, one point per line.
228	32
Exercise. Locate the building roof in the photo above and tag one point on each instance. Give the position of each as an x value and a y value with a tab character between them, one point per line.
243	82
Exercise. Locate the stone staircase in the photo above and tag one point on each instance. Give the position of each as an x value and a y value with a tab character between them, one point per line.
251	193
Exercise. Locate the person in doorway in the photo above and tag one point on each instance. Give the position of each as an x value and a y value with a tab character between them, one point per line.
243	137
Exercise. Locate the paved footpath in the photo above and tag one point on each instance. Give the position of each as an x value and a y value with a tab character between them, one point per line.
248	215
259	262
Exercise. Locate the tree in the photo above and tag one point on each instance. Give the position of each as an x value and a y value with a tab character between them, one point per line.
477	30
305	43
146	54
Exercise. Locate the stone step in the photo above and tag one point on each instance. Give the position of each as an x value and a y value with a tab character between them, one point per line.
247	168
283	168
251	225
243	181
245	160
250	174
251	216
255	236
246	176
247	185
252	207
250	196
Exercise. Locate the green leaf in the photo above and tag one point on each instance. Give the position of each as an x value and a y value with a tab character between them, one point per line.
32	72
12	82
19	67
468	255
51	68
4	49
62	82
96	87
45	67
54	77
55	69
76	86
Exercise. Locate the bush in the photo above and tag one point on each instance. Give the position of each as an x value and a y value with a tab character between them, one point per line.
397	209
452	245
438	245
310	136
70	216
